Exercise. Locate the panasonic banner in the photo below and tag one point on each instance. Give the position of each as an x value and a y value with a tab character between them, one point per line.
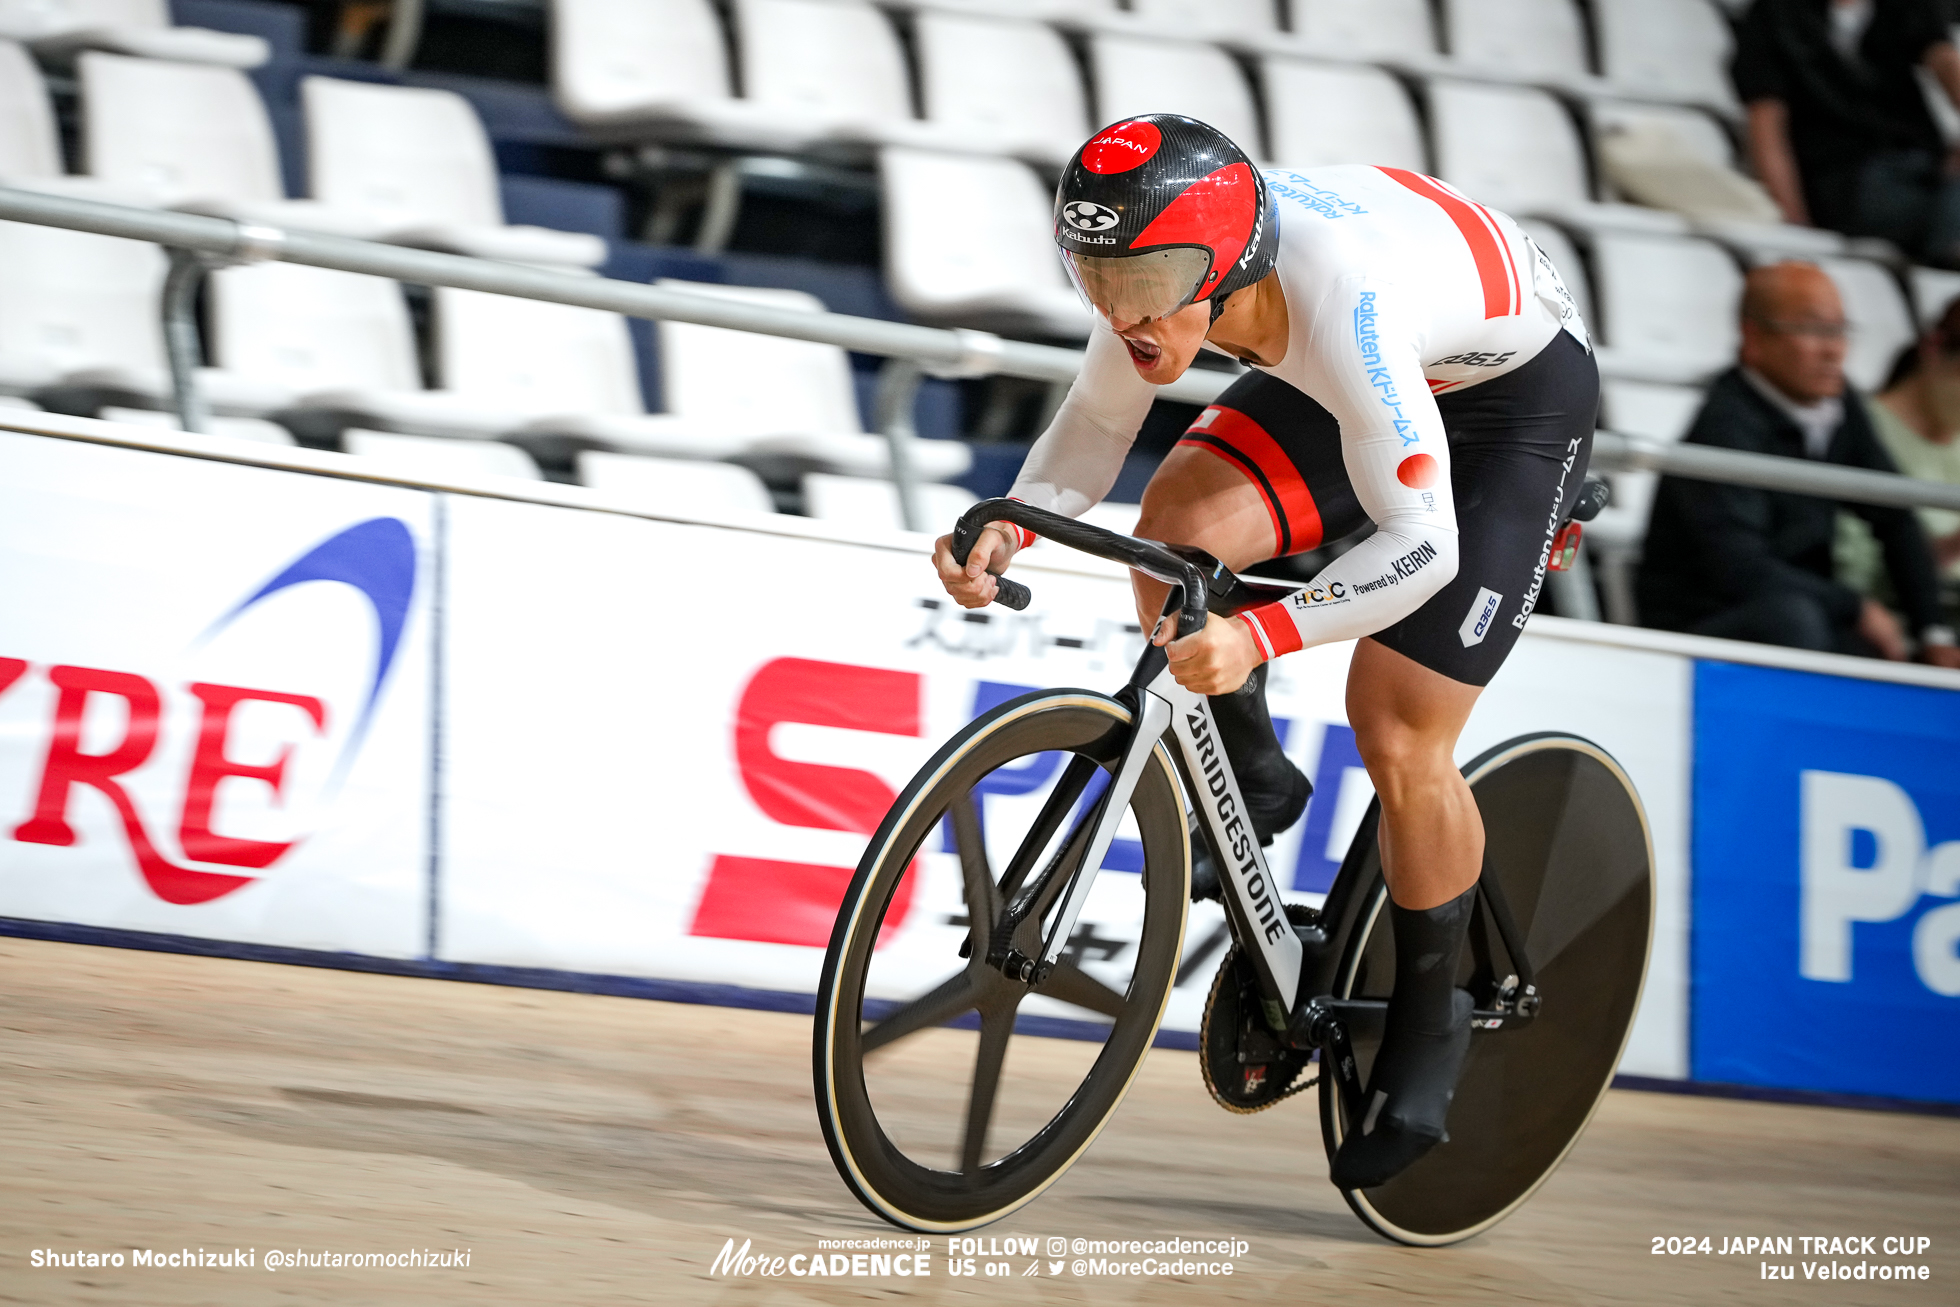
1826	883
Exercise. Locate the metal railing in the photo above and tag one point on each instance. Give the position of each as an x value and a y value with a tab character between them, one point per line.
198	243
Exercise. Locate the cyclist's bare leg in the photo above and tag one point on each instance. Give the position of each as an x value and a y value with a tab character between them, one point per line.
1406	721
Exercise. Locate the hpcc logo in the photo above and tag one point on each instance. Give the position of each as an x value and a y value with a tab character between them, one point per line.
1086	215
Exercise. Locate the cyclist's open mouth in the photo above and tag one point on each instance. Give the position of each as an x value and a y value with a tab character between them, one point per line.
1145	353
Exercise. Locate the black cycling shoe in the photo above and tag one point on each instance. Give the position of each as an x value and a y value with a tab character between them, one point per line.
1408	1101
1274	790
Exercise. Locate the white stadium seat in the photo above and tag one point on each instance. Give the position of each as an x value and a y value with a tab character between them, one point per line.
194	137
836	63
419	161
681	486
1525	39
1933	289
812	72
257	429
969	241
59	29
81	313
311	329
642	62
1517	149
502	362
178	131
435	459
1387	28
1015	84
871	503
1881	321
1211	17
1139	75
806	415
72	301
29	145
1667	306
1325	113
1667	49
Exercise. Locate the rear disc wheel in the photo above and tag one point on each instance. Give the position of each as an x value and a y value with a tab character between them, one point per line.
1568	841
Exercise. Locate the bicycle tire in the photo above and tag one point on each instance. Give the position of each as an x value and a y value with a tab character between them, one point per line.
1569	842
878	1169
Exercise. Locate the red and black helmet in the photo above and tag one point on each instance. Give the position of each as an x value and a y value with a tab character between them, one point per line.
1162	211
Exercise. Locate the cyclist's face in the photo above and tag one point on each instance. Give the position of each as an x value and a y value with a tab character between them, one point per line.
1163	348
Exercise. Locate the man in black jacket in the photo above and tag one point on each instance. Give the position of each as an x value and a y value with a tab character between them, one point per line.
1838	126
1748	564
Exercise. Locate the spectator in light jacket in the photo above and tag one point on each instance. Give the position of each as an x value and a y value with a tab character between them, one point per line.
1748	564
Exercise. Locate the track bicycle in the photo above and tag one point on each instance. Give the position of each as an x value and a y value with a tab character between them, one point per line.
1045	800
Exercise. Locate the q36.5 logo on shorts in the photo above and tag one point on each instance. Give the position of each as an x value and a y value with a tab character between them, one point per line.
1085	215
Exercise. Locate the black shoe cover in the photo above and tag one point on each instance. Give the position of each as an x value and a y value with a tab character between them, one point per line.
1408	1102
1423	1047
1274	790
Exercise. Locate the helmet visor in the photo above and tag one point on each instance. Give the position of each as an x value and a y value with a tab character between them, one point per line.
1139	287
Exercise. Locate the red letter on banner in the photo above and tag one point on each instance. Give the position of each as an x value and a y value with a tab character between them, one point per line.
68	766
210	766
795	902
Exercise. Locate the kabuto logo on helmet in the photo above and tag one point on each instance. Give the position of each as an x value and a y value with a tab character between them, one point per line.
1086	215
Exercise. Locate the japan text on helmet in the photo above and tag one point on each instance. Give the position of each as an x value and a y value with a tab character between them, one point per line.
1161	211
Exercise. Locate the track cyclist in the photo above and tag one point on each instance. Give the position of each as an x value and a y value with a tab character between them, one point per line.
1414	364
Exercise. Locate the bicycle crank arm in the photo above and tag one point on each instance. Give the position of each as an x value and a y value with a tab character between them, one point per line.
1367	1018
1318	1026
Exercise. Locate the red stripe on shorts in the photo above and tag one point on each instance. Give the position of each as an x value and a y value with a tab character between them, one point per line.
1239	440
1479	232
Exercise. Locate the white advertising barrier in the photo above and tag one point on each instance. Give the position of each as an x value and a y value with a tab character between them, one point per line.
664	745
213	699
657	746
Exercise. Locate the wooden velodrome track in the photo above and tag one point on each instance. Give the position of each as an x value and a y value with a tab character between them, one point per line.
599	1150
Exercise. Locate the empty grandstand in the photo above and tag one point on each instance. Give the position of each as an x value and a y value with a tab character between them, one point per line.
889	160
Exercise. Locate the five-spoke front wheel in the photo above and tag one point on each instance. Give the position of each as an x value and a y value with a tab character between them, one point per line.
1011	797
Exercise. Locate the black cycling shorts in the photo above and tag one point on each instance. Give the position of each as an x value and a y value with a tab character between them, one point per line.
1519	445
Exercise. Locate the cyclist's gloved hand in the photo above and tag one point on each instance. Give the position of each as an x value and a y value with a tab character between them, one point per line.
1216	660
973	586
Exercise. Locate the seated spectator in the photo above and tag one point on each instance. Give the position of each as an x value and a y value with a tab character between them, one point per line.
1917	418
1748	564
1839	131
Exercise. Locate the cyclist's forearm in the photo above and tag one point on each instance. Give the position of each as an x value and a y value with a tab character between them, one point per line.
1370	588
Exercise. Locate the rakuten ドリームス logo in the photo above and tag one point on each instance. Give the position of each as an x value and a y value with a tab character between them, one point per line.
377	559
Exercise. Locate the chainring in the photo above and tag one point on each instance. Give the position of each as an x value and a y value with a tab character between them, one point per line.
1245	1066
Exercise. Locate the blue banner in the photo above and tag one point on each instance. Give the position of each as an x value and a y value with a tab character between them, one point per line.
1826	946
